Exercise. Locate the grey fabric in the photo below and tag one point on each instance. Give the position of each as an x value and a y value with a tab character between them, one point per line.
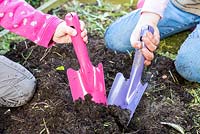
191	6
17	84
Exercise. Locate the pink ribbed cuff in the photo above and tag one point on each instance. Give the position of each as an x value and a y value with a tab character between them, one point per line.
48	32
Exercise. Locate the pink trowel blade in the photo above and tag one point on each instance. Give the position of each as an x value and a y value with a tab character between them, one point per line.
88	79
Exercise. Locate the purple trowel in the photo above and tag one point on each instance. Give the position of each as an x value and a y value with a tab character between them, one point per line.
127	93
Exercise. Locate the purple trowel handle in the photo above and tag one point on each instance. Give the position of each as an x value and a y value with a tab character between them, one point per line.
138	62
145	29
77	41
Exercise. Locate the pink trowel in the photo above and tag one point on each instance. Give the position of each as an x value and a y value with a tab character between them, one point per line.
88	79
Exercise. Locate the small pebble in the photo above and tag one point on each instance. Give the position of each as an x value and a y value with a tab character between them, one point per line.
164	76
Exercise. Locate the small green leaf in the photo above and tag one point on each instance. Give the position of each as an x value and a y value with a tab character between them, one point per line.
60	68
175	126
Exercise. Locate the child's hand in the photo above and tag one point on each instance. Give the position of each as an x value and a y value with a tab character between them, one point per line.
63	33
151	41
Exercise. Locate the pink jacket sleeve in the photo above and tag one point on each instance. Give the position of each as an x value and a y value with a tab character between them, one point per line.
155	6
22	19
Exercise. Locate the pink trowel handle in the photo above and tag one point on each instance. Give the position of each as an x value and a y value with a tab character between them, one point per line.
78	43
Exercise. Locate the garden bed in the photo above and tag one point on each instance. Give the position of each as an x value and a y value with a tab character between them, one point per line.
52	111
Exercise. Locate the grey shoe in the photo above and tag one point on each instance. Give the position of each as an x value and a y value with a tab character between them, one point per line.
17	84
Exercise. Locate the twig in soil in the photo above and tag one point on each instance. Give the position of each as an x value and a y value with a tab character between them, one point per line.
42	130
58	54
17	119
107	124
111	62
27	57
107	75
45	105
46	53
175	126
130	54
174	78
7	111
26	44
45	128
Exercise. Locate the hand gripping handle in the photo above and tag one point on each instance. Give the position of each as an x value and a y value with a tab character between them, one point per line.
78	43
138	62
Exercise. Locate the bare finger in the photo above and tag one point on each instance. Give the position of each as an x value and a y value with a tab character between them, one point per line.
154	39
85	39
147	54
84	33
137	44
147	63
149	44
82	25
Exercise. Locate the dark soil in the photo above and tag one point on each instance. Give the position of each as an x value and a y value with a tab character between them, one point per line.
52	110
